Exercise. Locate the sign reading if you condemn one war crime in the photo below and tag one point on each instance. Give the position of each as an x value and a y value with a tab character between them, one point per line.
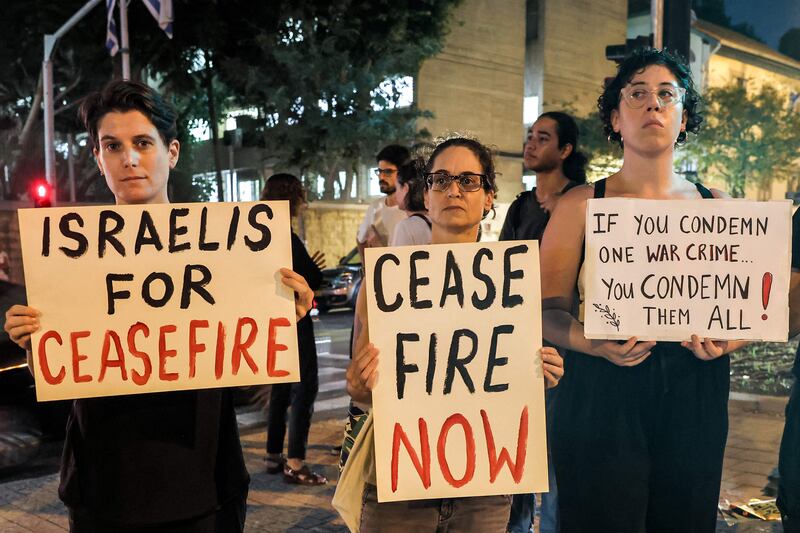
459	403
150	298
664	270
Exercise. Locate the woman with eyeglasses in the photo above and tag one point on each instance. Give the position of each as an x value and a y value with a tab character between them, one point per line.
459	192
639	429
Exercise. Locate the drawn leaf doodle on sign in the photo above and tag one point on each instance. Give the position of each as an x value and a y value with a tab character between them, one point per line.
609	314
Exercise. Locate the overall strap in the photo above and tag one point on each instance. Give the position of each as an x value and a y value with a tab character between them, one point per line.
600	188
705	193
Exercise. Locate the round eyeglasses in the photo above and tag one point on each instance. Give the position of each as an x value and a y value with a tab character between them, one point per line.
667	96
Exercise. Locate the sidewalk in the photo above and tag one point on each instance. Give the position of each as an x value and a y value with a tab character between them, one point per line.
756	424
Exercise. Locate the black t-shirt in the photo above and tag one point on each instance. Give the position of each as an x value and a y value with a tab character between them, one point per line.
796	267
152	458
525	218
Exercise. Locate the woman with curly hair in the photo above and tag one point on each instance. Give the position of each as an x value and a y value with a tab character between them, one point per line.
639	428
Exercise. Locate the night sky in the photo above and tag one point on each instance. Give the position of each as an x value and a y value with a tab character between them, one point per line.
769	18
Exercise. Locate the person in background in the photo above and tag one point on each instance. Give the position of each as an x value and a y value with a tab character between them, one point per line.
300	396
416	229
789	458
551	150
383	214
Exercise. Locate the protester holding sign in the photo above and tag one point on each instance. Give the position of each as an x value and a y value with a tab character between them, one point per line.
460	188
789	458
300	396
640	427
551	150
171	461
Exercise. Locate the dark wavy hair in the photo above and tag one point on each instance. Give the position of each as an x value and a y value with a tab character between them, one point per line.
482	152
122	96
395	154
574	166
411	174
285	187
635	63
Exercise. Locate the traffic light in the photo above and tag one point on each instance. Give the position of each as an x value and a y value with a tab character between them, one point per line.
41	193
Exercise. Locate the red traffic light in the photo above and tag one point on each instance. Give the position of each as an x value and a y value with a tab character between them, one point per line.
41	193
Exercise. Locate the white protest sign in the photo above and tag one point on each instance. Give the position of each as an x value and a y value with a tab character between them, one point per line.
664	270
459	403
150	298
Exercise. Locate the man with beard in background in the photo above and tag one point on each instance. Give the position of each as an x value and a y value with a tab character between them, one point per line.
383	214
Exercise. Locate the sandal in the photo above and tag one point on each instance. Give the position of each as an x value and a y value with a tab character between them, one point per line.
304	476
275	465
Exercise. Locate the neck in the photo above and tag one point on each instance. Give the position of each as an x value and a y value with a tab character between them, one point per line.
391	200
647	175
440	235
549	182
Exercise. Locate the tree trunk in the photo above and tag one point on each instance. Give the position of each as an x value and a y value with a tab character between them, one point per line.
208	82
348	182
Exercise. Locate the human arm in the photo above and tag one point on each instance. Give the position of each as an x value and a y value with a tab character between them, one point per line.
362	373
560	261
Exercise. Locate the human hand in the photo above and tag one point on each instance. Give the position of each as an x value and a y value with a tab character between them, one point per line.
374	238
303	295
707	349
21	322
319	259
362	374
552	366
631	353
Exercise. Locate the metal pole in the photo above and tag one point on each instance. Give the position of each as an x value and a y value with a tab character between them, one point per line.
124	48
657	17
232	172
47	93
49	123
71	165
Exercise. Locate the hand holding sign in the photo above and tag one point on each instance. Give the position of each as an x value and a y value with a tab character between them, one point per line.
21	322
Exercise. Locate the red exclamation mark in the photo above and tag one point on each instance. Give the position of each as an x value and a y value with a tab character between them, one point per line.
766	285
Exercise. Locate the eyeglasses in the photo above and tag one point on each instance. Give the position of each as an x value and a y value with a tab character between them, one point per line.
384	171
466	181
666	96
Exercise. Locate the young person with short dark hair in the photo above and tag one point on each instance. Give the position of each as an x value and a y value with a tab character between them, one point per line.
383	214
168	461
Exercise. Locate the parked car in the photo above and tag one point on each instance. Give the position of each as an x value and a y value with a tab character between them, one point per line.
24	424
340	284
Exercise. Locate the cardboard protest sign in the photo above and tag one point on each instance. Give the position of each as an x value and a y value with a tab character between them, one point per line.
664	270
149	298
459	403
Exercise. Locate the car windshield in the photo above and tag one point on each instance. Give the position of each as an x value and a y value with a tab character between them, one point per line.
352	258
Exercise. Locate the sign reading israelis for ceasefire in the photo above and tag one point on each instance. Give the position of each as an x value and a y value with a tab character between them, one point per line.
459	402
150	298
665	270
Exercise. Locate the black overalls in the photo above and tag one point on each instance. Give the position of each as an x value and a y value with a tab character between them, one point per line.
639	449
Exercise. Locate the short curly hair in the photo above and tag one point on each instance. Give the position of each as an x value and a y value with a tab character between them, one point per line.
636	62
